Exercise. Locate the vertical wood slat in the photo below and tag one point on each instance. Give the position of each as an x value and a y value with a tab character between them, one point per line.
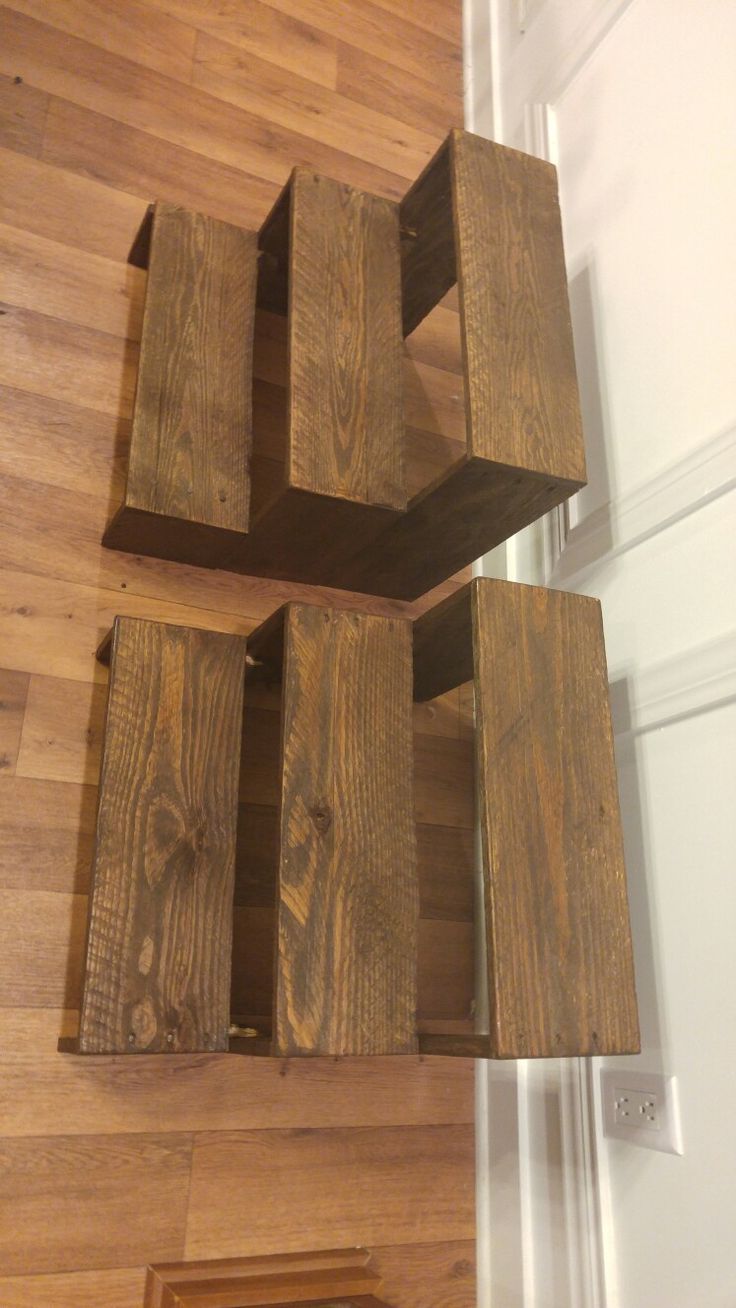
330	258
157	970
188	489
347	893
560	965
488	217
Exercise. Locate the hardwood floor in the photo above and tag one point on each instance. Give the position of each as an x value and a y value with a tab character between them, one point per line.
108	1164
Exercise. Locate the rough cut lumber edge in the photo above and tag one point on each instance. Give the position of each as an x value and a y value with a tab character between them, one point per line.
487	217
188	489
165	848
347	888
550	824
343	477
325	1275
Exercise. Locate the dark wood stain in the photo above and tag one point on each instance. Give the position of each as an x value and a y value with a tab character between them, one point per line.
157	969
188	488
347	895
560	964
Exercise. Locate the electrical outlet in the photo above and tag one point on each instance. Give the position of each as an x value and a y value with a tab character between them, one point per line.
637	1108
641	1107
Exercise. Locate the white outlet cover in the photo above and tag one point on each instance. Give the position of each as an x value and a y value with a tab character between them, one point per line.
614	1081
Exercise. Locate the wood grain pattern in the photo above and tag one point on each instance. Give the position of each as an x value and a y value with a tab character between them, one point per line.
213	1092
561	976
347	889
66	1202
336	250
560	965
412	1183
157	965
187	494
487	217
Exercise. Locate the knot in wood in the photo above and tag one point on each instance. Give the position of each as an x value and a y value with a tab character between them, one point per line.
321	817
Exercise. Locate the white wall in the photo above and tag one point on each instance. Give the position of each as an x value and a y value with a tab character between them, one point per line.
636	103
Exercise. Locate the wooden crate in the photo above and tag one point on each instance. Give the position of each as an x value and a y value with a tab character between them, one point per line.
352	271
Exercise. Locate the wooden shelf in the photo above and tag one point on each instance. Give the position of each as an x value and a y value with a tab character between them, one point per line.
352	271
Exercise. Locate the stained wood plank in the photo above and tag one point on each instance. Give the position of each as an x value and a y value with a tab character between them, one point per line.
445	980
74	1204
347	889
343	474
188	490
157	960
487	217
561	976
560	967
411	1181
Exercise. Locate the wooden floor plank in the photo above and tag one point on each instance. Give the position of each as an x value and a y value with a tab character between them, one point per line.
103	120
216	1092
120	1287
23	112
389	36
78	210
261	30
428	1275
68	1204
13	696
40	964
369	1186
112	85
125	27
46	835
226	72
157	956
54	279
66	362
91	144
371	81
